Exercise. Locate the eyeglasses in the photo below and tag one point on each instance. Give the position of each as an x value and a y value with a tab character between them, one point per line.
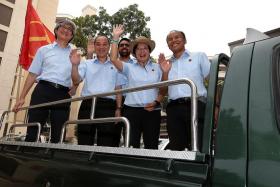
142	49
68	28
124	45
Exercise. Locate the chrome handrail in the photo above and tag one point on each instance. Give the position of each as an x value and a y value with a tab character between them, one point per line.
28	125
92	112
3	116
100	120
194	96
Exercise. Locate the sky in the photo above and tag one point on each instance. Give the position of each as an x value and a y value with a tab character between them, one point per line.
209	25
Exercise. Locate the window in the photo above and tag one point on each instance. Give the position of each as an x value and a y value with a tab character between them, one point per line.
5	15
3	37
11	1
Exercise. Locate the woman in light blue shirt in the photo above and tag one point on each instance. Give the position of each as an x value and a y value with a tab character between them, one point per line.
142	108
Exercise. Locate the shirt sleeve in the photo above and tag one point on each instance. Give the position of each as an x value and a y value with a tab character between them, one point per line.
204	64
121	80
83	69
125	70
37	63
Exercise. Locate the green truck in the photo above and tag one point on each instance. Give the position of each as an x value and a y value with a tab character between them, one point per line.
241	139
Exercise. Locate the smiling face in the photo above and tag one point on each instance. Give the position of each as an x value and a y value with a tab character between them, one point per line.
176	42
124	48
64	32
142	53
102	46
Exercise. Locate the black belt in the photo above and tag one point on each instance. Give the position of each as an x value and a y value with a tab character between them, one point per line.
184	100
57	86
102	99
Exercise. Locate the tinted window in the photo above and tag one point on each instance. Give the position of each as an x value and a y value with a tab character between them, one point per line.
5	15
11	1
3	37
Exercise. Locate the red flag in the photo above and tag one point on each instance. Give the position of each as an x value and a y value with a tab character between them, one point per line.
36	34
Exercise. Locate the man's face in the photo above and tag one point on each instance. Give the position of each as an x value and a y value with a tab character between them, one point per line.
176	41
101	46
64	32
124	48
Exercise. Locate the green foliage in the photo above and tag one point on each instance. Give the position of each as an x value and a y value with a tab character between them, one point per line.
134	21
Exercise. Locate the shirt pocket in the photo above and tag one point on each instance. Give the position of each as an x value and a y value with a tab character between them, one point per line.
49	55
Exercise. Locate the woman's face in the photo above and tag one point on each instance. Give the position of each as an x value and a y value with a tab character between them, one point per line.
142	53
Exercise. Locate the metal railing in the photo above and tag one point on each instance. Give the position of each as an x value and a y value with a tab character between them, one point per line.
194	124
28	125
100	120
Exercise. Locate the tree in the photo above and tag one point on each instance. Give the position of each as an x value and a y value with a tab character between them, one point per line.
133	19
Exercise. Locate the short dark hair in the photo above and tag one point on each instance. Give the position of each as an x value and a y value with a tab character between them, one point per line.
181	32
66	22
101	35
123	39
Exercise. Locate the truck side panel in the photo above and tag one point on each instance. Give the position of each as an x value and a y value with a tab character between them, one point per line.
264	138
22	166
230	162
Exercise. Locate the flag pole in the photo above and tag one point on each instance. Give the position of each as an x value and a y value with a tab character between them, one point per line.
18	77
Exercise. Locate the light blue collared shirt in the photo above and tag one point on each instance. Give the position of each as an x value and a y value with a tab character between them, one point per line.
194	66
52	63
99	77
125	85
138	76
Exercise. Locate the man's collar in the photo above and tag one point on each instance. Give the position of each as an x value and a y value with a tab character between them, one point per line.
96	60
55	44
186	53
130	61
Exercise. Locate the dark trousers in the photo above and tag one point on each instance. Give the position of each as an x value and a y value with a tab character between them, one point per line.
143	121
108	134
58	114
179	124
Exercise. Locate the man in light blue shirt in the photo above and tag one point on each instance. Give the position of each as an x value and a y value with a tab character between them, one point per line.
124	56
183	64
51	68
99	76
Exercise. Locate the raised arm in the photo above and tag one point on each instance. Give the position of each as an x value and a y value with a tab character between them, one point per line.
165	66
90	48
117	31
75	59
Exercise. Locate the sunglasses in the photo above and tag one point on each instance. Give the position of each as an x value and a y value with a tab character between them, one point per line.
124	45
